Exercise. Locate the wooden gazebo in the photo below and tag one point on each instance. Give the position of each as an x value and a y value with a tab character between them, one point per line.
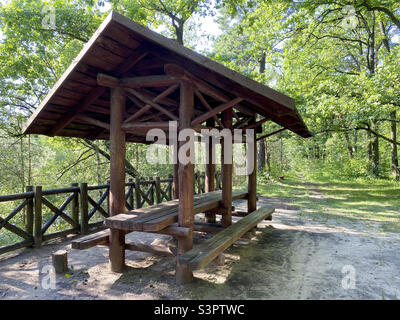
128	80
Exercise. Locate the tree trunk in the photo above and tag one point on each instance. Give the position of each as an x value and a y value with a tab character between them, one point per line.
268	162
375	150
355	141
261	143
349	147
393	136
369	150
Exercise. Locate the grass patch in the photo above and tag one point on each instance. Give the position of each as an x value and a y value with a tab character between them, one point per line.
325	197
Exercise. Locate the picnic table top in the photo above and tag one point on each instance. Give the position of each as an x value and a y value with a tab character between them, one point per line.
162	215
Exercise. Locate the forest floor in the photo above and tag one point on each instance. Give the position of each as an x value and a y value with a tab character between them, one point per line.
327	240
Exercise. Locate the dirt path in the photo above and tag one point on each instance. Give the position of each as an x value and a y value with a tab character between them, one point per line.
292	257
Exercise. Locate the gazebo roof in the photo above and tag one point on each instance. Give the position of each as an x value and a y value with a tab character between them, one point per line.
78	106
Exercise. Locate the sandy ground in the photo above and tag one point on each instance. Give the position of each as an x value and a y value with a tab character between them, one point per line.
291	257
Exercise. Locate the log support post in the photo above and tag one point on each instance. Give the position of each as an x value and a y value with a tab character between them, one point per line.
210	170
29	213
226	164
84	204
117	174
252	175
38	217
185	181
75	205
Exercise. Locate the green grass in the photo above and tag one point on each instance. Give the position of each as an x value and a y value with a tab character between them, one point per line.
369	201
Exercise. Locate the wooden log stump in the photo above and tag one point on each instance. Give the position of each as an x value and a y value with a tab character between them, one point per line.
60	261
220	260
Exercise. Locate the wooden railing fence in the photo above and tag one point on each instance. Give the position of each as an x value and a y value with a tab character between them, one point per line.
78	209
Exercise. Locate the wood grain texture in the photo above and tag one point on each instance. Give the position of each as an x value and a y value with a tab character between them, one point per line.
202	255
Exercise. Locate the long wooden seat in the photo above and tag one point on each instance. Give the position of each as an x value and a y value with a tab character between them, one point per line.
160	216
200	256
91	240
102	238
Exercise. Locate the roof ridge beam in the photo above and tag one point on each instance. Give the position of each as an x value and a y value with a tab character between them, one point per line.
135	82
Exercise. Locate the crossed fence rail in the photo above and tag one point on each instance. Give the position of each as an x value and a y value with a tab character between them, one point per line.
78	209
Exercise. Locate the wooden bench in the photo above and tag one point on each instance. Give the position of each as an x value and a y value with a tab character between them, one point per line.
202	255
102	238
158	217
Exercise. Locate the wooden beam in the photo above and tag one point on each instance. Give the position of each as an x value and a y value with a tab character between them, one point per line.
258	123
117	177
176	71
153	104
186	179
149	248
221	108
252	179
132	60
147	107
69	116
210	171
96	92
94	122
270	134
147	81
205	103
145	126
226	219
135	82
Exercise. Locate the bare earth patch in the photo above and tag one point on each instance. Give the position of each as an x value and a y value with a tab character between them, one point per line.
292	257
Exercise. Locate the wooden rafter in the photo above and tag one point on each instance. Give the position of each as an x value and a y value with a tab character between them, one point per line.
177	72
147	107
94	122
150	102
271	134
163	125
67	119
97	92
258	123
135	82
216	110
205	103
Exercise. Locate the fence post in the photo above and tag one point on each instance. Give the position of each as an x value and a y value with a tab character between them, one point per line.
38	217
170	176
84	208
108	197
137	193
130	199
151	195
194	183
29	213
75	205
158	190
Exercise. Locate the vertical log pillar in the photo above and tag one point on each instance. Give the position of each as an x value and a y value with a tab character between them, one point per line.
38	217
117	174
170	176
75	205
185	182
137	193
252	178
84	208
210	170
226	173
131	188
29	213
176	179
158	189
